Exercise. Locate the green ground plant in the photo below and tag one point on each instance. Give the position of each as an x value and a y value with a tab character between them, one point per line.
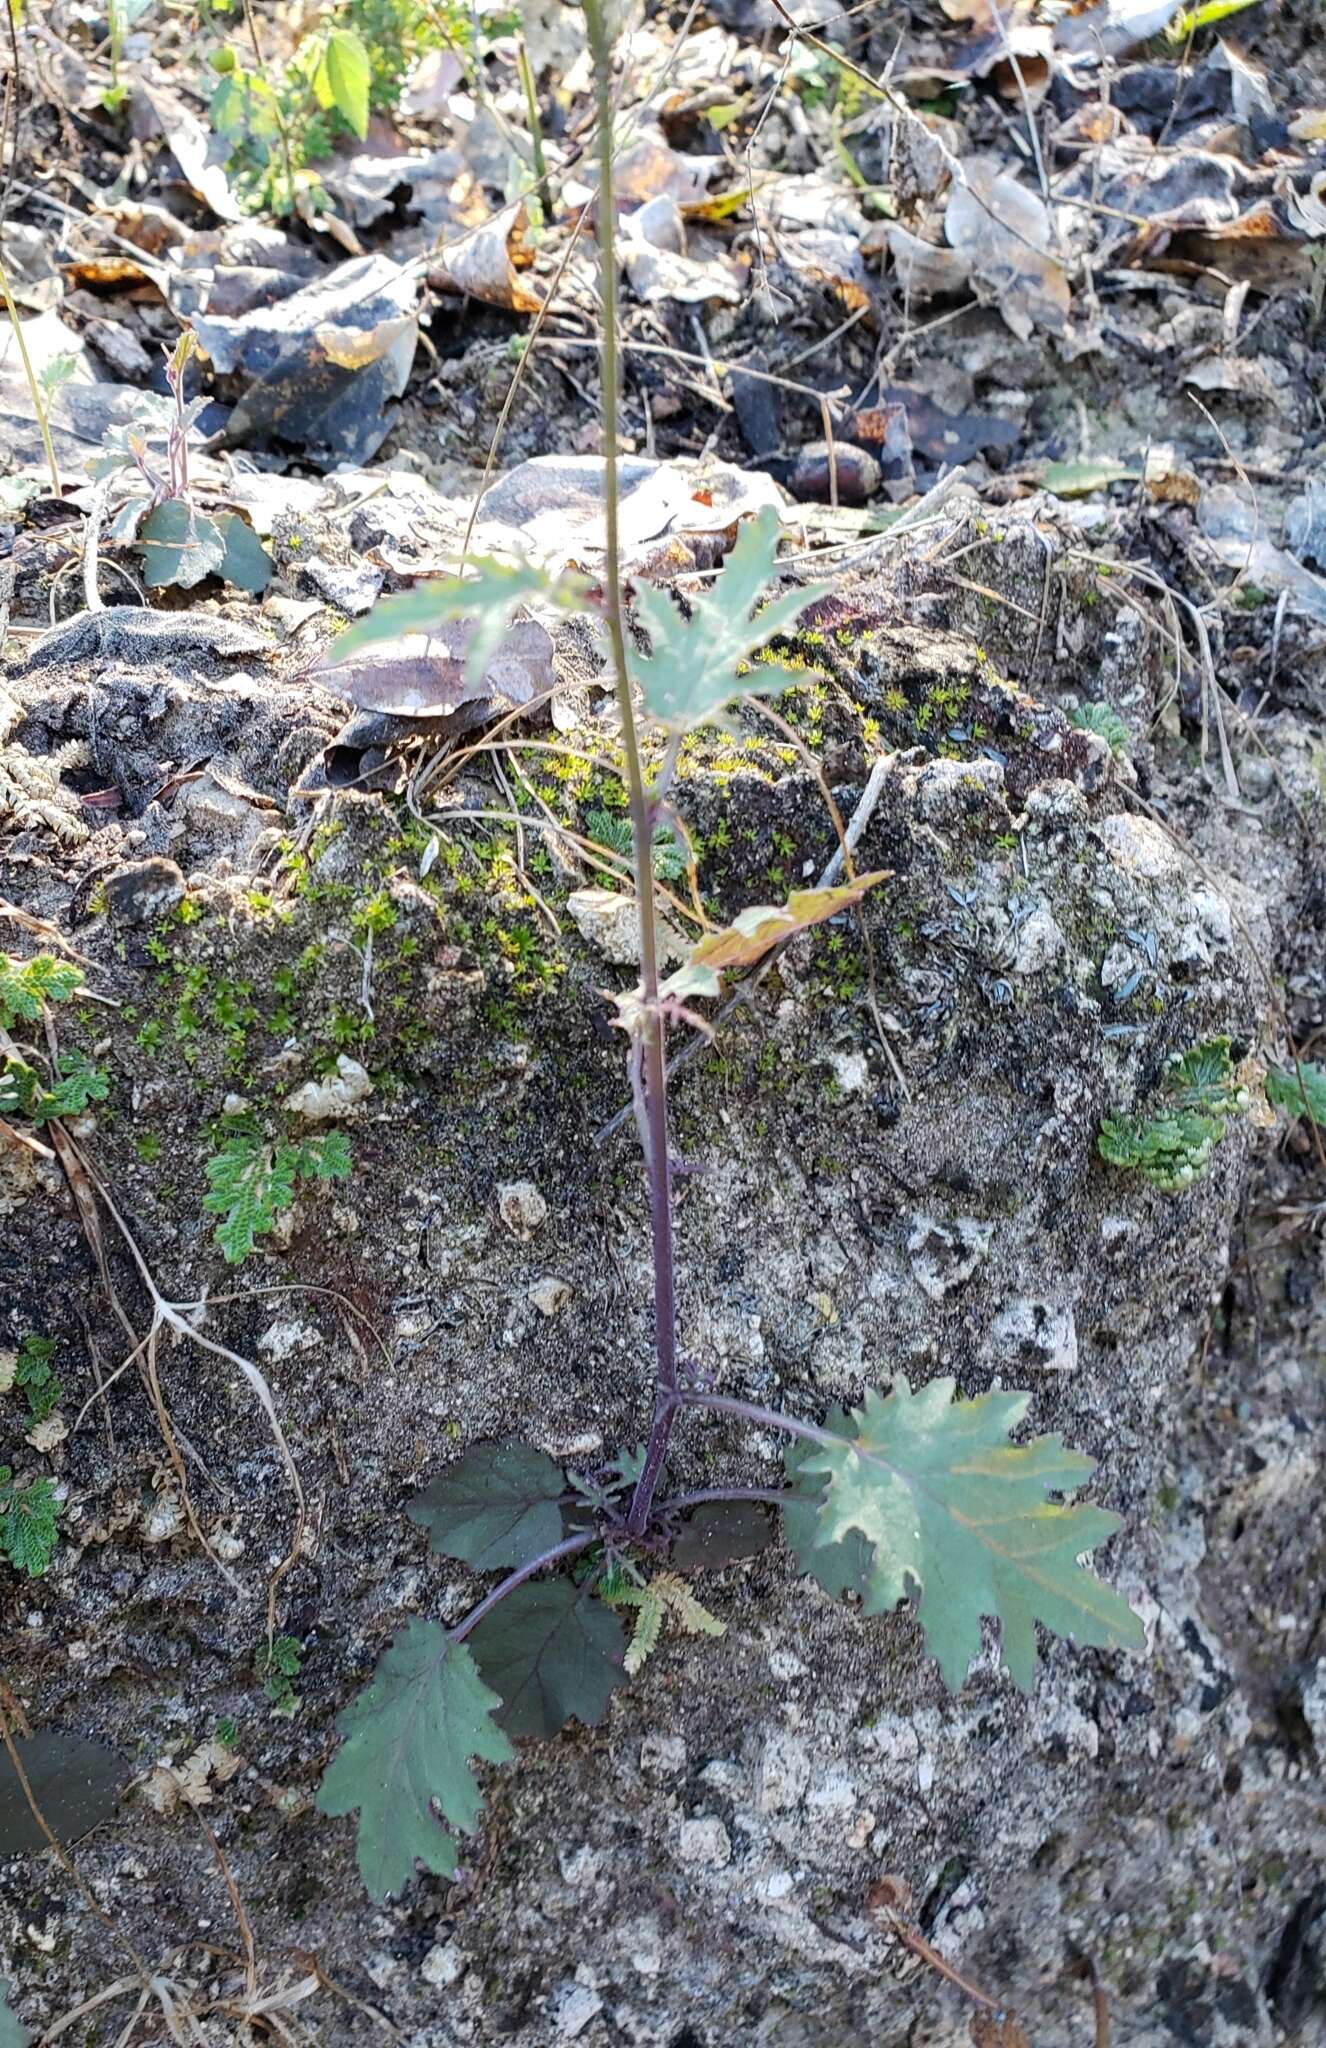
252	1180
916	1497
1172	1148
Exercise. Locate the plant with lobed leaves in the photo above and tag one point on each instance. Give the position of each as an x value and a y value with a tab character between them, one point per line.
916	1495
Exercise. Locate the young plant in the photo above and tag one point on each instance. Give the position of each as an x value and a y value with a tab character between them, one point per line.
27	987
252	1181
28	1533
916	1496
179	543
1173	1148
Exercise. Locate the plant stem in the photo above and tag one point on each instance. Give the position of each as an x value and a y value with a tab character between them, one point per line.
761	1418
277	115
569	1547
526	70
653	1060
38	401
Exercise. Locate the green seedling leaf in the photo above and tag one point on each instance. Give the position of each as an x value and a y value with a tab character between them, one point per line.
1079	479
246	562
957	1515
74	1781
665	1597
499	1507
28	1516
718	1532
1105	720
695	666
26	984
553	1653
12	2035
348	74
1191	19
57	372
1301	1098
490	597
179	545
34	1372
754	932
1173	1147
250	1183
409	1738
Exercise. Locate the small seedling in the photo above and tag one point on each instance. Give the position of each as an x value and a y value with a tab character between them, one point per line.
918	1497
252	1181
1173	1148
278	1666
28	1514
33	1372
1302	1092
1105	720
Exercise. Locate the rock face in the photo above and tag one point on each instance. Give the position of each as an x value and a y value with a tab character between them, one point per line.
695	1872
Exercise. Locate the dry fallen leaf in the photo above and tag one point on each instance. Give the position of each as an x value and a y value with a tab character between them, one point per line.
480	264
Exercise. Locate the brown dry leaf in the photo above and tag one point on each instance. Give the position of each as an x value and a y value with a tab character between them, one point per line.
756	931
1309	126
422	675
479	264
1167	480
190	1784
352	348
924	270
198	153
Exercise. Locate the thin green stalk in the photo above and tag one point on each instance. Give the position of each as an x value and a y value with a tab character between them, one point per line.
38	397
652	1090
526	70
279	118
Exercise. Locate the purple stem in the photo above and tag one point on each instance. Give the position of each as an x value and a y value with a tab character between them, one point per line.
762	1418
569	1547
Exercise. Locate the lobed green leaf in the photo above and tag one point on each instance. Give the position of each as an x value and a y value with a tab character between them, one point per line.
553	1653
409	1739
958	1515
500	1506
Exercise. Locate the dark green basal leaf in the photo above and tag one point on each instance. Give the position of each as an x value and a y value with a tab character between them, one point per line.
409	1739
246	562
958	1516
718	1532
553	1652
74	1781
499	1507
179	545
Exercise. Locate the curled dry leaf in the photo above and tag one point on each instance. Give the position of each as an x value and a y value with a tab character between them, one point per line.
423	675
1003	231
479	264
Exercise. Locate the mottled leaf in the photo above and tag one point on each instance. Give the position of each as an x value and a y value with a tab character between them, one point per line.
718	1532
553	1652
957	1514
840	1564
179	545
1078	479
74	1781
409	1738
498	1507
695	666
